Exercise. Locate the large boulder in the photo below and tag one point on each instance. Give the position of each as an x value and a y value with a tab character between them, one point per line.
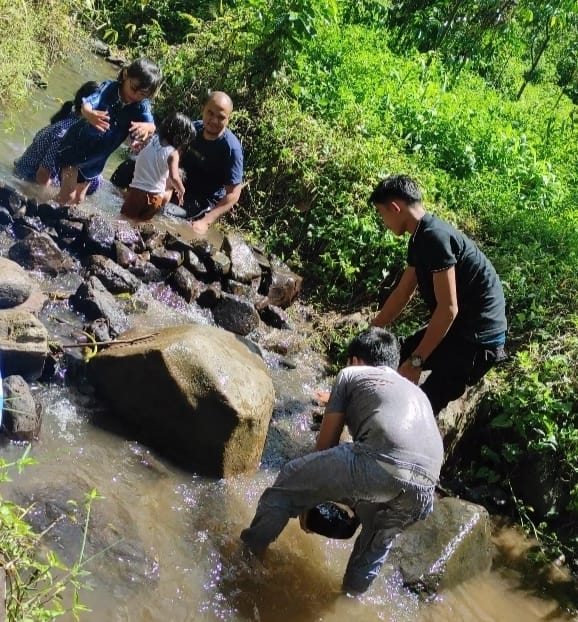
195	392
452	545
23	344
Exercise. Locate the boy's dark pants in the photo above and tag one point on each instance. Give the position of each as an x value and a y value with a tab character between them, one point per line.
455	364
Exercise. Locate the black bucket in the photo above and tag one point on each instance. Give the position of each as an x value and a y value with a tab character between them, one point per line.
332	521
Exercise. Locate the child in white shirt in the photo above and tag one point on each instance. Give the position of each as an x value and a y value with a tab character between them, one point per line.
156	173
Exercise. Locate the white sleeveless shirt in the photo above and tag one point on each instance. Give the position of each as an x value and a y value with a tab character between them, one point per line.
151	170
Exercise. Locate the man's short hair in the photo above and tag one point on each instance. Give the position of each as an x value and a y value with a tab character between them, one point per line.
396	187
375	346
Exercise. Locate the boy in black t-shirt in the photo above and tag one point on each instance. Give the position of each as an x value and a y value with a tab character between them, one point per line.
467	329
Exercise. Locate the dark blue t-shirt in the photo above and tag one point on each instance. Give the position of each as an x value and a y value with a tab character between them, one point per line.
435	246
86	146
210	165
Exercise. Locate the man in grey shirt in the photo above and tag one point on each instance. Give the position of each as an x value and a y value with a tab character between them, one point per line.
387	475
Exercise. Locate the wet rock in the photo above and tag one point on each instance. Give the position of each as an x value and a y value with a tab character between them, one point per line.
5	217
451	546
77	213
194	263
124	256
235	314
210	296
262	259
459	420
69	229
146	230
282	342
15	285
52	211
11	199
246	291
116	279
112	542
32	206
95	301
185	284
99	236
156	240
100	330
202	248
165	259
22	414
275	317
244	265
39	252
218	265
215	395
146	271
100	47
129	236
23	344
24	225
281	286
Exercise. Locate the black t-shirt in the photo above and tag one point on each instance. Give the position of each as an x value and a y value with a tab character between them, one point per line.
435	246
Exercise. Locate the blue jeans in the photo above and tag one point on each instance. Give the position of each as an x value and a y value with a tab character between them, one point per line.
384	503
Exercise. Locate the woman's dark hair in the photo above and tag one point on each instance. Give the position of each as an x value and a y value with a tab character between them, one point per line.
73	106
376	346
177	130
147	73
396	187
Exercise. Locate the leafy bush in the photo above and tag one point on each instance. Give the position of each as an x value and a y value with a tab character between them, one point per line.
40	33
38	585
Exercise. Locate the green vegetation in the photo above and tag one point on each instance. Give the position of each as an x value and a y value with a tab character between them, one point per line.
38	585
477	100
34	36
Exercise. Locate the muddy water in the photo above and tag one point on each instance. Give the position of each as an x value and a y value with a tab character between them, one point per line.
183	528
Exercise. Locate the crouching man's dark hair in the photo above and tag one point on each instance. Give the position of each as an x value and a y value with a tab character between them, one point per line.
376	346
396	187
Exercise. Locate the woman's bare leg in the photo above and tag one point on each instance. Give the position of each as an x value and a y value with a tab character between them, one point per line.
68	183
80	193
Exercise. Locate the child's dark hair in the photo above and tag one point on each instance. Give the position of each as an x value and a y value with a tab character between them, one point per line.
396	187
68	107
376	346
177	130
145	72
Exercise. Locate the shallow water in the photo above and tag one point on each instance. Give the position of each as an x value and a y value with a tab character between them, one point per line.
185	527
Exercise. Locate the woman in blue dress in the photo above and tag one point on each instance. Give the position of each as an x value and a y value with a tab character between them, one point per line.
38	162
119	108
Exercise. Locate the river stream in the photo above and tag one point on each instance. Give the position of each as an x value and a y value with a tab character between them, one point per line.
186	526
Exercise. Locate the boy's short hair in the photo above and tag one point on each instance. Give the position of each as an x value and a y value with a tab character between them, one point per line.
375	346
396	187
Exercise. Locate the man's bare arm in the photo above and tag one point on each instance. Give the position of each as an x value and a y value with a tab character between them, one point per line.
330	431
398	299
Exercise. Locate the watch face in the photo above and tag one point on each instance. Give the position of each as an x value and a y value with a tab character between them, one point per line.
415	360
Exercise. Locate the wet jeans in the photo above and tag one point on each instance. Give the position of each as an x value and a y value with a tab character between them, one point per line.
384	503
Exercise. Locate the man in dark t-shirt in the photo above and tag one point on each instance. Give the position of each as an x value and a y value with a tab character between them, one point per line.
467	329
213	164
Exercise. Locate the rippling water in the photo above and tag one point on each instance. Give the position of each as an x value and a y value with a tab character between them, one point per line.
172	535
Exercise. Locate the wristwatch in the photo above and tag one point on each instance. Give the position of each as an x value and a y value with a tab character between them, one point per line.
416	361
